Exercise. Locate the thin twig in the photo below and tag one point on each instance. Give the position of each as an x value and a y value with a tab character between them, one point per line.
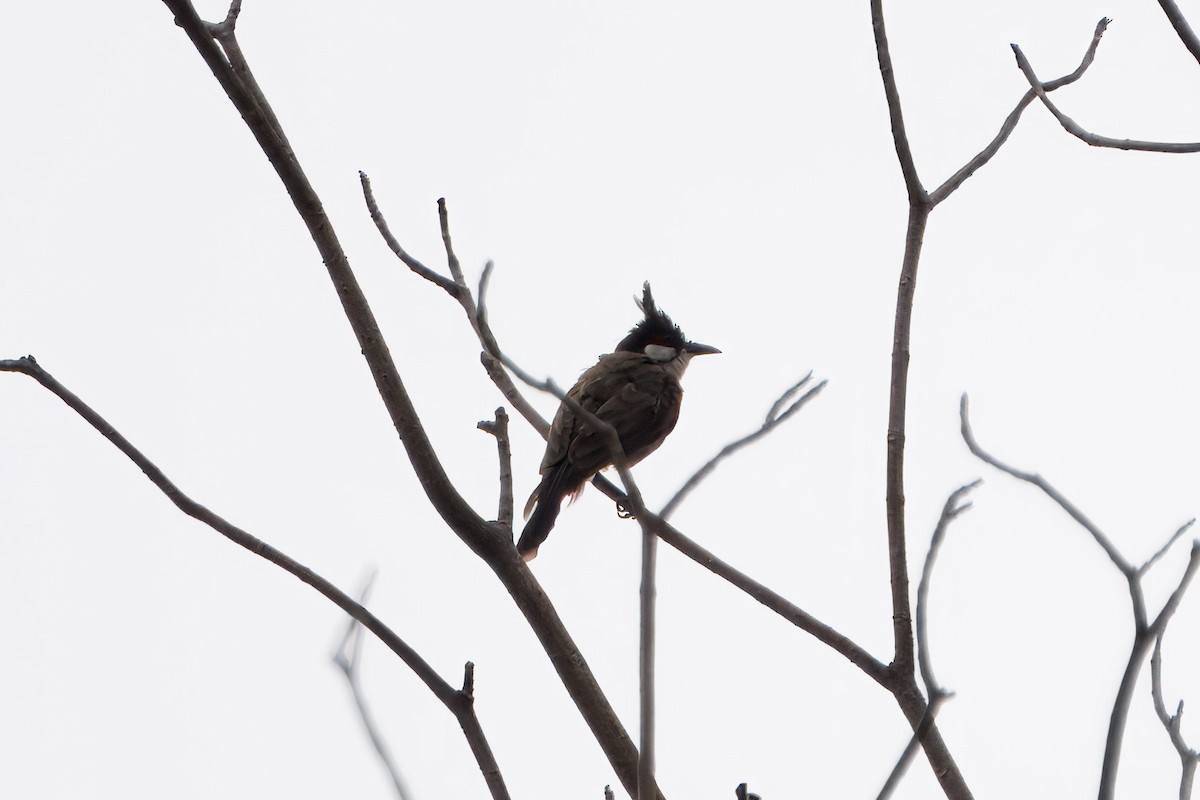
1172	723
499	429
1162	551
950	512
447	694
412	263
1010	122
348	658
1095	140
476	314
451	259
933	690
774	419
1037	480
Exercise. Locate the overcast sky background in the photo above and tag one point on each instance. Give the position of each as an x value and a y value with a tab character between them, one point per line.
739	159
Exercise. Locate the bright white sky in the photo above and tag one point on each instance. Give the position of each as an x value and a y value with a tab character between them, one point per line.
742	162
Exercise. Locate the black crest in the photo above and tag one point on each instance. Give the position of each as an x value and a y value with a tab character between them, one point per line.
656	328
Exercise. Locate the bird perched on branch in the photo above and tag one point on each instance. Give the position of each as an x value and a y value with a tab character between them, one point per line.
636	390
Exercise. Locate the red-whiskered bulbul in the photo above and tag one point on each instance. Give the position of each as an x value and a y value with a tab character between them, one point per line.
636	390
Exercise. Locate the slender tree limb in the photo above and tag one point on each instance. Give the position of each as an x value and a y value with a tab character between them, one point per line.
499	429
1095	140
774	419
476	314
902	677
897	410
933	690
1182	28
1143	640
416	266
458	705
1172	723
912	748
1162	551
1066	505
451	259
489	541
916	192
954	507
646	639
348	657
1145	630
1010	122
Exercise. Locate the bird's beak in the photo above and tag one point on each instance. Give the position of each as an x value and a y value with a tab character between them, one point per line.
699	349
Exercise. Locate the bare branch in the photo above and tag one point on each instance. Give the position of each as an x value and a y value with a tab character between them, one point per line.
902	634
1010	122
499	429
646	637
1171	722
916	192
1182	28
914	744
1145	630
774	418
416	266
476	315
934	691
1162	551
1144	637
451	259
1037	480
449	697
1095	140
950	512
348	657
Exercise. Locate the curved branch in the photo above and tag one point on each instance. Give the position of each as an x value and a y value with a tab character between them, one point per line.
459	704
774	419
1144	630
1095	140
1010	123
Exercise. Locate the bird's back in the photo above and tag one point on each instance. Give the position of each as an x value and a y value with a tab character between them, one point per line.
637	396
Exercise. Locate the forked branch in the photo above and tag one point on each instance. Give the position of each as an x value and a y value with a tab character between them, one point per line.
1145	630
460	705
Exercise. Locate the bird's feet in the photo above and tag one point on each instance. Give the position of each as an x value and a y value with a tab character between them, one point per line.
623	509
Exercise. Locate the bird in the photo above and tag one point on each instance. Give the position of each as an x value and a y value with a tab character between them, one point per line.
636	390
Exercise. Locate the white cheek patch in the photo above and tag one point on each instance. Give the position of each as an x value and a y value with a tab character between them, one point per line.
658	352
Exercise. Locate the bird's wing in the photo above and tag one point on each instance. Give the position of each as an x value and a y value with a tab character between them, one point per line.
639	399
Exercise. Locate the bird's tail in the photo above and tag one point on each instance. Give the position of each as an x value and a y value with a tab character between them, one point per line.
548	497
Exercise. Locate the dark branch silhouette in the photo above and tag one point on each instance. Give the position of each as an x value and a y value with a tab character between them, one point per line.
460	705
